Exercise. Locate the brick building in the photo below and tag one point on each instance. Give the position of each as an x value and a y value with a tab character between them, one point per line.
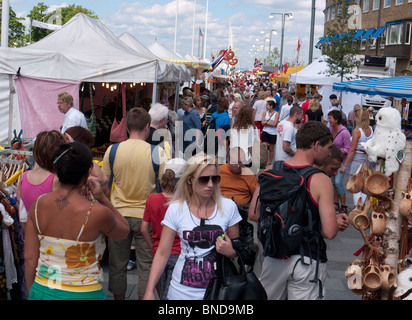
385	28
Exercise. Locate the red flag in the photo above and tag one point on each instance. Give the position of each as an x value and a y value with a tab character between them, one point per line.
285	67
298	49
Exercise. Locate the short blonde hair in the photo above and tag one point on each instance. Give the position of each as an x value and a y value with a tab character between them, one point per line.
66	97
184	189
313	105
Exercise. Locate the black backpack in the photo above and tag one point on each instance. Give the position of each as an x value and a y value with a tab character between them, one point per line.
285	224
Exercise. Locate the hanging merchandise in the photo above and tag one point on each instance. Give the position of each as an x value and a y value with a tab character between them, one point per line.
388	140
91	122
384	218
118	133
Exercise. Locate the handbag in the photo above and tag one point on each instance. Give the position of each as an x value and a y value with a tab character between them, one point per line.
91	122
118	132
234	284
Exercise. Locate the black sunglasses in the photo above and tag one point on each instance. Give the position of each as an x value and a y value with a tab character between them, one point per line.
205	179
328	133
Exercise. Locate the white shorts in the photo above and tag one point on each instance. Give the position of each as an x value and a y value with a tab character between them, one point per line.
277	279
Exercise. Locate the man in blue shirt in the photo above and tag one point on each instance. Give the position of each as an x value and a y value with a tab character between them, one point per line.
191	120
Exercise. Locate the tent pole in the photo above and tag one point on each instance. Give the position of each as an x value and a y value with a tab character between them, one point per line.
154	94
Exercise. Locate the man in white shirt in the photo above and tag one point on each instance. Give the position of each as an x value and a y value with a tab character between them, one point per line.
284	113
286	140
72	116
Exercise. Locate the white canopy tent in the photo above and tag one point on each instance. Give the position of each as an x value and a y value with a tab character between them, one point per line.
191	63
83	50
168	71
316	74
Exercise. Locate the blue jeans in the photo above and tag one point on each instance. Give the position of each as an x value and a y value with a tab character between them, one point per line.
338	182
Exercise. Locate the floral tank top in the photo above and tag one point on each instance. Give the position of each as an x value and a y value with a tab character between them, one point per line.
70	265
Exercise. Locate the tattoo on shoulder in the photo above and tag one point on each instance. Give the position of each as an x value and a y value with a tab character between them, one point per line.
62	202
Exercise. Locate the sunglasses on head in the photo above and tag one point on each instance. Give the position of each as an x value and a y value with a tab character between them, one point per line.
205	179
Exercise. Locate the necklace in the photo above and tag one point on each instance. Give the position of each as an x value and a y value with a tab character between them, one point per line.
202	220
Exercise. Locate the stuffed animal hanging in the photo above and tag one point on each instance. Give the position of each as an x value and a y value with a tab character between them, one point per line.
388	140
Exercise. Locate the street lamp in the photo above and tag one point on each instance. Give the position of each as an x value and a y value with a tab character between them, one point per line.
284	15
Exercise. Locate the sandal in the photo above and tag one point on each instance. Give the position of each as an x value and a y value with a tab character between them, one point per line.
344	209
337	208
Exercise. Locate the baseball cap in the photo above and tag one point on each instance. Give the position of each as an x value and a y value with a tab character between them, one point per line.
177	165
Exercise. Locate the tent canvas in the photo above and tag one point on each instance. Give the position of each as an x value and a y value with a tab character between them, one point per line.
164	53
284	77
168	71
315	74
397	87
83	49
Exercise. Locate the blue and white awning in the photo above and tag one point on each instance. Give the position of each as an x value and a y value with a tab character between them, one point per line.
378	32
368	33
397	87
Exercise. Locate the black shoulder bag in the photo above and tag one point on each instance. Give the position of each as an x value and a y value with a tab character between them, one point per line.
233	284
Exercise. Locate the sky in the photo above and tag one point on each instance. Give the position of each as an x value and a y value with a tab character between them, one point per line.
242	24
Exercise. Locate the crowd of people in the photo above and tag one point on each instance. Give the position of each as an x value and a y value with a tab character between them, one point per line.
76	208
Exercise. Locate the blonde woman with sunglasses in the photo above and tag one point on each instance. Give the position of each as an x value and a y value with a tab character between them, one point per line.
205	222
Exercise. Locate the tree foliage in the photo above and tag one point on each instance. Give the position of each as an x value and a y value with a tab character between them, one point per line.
273	58
340	49
60	16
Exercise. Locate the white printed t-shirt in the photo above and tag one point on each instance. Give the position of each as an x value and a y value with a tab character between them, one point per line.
196	264
286	132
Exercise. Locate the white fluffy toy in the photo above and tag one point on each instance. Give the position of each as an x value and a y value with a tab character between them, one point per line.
388	140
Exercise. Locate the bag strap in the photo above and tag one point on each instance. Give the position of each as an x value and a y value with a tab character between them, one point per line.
338	134
112	155
155	164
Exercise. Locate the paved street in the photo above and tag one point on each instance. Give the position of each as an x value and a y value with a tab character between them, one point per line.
340	254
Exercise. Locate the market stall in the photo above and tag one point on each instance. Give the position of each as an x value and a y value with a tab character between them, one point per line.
83	50
382	271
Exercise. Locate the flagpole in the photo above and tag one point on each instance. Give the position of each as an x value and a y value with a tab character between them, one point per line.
177	9
193	29
5	23
205	37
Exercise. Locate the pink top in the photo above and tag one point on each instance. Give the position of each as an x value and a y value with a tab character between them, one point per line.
30	192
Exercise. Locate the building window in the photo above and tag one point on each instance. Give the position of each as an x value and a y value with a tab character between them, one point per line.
386	3
339	11
328	14
365	5
376	4
383	39
372	43
363	44
408	27
332	14
393	35
398	2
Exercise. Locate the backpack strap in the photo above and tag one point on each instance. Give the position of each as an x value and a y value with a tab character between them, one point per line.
155	164
112	155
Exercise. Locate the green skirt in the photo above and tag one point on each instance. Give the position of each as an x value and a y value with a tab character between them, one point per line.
40	292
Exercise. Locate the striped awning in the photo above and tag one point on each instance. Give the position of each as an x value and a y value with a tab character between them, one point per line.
397	87
378	32
368	33
190	63
358	34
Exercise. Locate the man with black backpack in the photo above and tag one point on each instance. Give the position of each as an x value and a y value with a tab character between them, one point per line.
293	205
